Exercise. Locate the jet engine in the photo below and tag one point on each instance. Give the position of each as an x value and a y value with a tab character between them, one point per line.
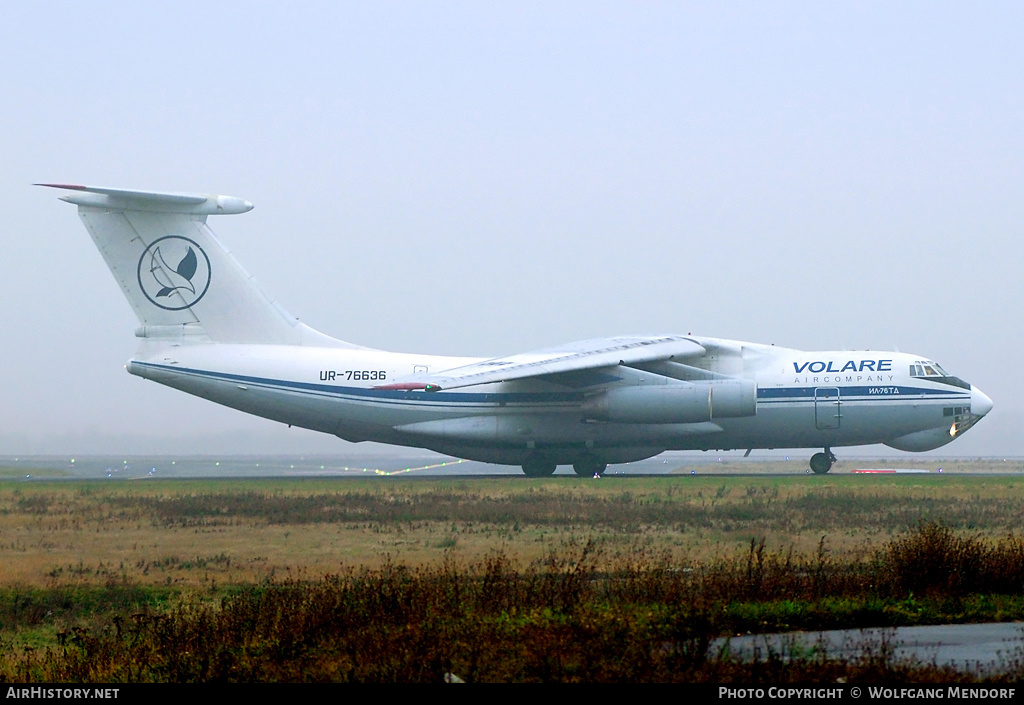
674	403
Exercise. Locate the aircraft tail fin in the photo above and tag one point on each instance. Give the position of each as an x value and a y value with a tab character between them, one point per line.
180	281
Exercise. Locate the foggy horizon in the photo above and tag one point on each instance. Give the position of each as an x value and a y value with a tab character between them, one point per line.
458	179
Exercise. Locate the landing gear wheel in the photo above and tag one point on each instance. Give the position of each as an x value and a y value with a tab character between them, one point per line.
538	466
821	463
588	466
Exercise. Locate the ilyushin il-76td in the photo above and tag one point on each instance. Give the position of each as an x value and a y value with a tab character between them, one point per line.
206	328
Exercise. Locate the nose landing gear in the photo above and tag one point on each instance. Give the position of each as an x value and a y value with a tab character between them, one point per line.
821	463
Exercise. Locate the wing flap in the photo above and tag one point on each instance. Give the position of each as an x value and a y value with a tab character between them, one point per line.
573	357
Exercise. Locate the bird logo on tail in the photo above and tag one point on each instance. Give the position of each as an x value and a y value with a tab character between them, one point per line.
174	272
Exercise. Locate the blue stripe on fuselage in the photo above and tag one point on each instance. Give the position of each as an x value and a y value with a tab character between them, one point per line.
369	394
764	394
890	390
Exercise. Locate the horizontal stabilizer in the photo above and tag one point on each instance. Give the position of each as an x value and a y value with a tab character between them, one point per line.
152	201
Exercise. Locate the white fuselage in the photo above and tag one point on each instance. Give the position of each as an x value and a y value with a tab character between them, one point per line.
803	400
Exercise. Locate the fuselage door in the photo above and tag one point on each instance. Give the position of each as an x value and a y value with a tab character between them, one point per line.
827	411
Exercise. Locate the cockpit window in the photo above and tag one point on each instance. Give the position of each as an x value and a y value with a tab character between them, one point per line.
927	369
924	368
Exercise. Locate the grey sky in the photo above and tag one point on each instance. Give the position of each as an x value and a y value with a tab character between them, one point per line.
489	178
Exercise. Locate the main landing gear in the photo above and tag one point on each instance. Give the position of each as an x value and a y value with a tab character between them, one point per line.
589	466
538	466
821	463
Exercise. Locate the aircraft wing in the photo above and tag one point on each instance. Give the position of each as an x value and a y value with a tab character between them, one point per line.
572	357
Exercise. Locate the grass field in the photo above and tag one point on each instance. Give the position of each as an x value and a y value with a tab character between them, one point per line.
197	532
76	555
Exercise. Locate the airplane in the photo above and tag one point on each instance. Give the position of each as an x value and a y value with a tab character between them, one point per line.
208	329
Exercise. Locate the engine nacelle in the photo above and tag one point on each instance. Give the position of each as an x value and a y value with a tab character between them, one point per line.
675	403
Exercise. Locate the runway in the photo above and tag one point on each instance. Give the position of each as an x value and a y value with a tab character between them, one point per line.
432	465
245	466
